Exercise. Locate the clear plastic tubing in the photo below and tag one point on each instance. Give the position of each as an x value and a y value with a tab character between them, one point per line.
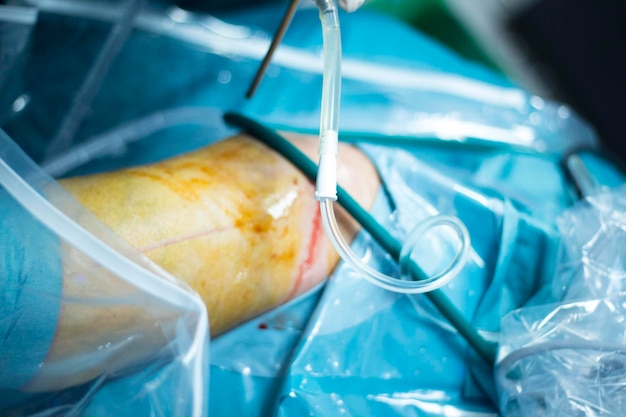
326	186
331	94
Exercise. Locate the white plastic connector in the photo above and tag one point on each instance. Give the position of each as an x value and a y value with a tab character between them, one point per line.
326	186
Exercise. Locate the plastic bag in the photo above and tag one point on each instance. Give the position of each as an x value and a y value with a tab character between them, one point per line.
567	358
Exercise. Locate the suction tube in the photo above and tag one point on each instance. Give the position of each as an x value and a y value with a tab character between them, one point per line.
326	186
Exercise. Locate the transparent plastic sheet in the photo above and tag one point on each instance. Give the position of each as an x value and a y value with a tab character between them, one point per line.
567	358
564	360
415	90
89	325
463	139
68	41
422	93
82	310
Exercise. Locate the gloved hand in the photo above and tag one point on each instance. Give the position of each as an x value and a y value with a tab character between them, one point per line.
350	5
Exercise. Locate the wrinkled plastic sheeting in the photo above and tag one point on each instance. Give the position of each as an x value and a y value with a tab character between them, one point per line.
594	237
564	360
396	82
366	351
88	325
569	358
81	309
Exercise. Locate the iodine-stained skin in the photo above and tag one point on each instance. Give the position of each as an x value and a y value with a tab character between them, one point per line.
235	221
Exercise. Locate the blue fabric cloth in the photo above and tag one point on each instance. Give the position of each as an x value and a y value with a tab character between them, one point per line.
31	282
